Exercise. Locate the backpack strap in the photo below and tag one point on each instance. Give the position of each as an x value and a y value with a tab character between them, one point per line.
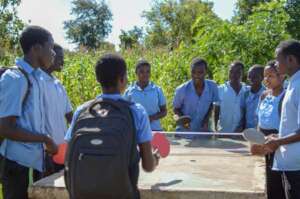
29	85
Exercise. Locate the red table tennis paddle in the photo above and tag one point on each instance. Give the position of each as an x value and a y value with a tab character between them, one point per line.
161	144
59	158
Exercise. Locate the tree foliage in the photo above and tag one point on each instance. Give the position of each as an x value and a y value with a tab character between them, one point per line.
91	25
10	26
131	38
169	21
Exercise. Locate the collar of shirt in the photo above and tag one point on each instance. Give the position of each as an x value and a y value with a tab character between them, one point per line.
148	87
206	89
24	65
243	87
257	93
46	76
116	96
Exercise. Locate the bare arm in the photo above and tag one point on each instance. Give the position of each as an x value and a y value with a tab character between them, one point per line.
216	116
177	112
9	130
207	116
149	161
69	117
161	114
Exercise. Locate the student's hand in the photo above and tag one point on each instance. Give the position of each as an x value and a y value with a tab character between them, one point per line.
151	118
51	147
271	137
272	145
258	149
156	156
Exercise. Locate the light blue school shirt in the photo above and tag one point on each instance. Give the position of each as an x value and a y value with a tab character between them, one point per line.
249	103
57	105
13	87
287	157
141	120
187	100
151	98
230	109
268	112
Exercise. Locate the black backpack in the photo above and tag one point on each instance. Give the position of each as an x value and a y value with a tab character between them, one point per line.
102	157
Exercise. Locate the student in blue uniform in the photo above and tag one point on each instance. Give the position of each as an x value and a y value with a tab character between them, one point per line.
269	111
111	73
195	98
149	95
250	98
287	145
228	112
22	123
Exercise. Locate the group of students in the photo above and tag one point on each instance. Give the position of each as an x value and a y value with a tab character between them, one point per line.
35	110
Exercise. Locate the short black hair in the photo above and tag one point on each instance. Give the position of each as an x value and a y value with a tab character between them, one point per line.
33	35
290	47
109	68
258	68
272	64
140	63
57	47
238	63
198	62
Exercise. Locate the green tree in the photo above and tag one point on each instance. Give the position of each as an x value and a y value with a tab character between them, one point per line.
293	9
10	26
169	22
91	25
244	8
252	42
131	38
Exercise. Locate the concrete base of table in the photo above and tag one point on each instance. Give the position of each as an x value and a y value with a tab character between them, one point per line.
200	168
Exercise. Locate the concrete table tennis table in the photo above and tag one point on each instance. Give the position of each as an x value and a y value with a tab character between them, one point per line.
204	168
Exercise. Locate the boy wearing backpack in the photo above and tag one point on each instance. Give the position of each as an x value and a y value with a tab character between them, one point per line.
103	139
22	114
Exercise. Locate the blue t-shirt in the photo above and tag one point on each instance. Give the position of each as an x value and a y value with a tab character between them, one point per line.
151	98
249	103
230	109
141	120
268	112
30	116
57	104
193	105
287	157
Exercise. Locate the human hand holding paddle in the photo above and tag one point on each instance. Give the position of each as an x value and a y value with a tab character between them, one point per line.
160	145
59	158
272	144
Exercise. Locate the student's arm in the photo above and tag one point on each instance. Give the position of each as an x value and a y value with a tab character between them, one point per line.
10	130
144	137
274	143
162	106
13	88
206	118
149	161
69	117
215	106
242	123
161	114
178	102
216	115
